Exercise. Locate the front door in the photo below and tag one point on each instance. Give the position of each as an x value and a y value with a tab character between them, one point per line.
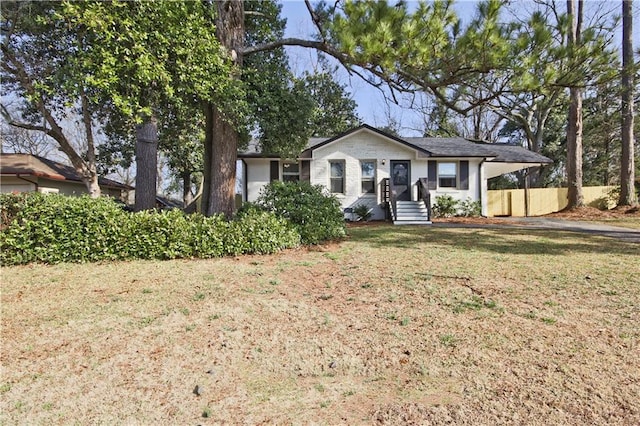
400	175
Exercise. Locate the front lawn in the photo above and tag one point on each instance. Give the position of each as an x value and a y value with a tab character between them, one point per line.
394	325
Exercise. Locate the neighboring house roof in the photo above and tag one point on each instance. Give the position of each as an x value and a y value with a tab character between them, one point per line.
33	165
427	147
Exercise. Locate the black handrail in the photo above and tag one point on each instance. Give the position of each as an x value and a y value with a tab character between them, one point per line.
424	195
390	197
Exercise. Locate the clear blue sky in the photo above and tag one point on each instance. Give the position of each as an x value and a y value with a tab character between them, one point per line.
371	105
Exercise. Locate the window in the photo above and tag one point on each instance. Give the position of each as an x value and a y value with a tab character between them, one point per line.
368	177
336	177
290	172
447	175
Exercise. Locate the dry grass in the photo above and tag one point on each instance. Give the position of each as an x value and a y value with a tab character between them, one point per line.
396	325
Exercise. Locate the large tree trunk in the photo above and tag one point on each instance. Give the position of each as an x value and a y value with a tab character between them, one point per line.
218	195
221	141
146	164
574	124
574	149
627	170
90	180
187	196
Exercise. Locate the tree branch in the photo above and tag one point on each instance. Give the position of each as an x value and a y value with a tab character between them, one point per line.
55	131
27	126
316	20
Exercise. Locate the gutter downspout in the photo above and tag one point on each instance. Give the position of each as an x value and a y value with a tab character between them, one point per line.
527	194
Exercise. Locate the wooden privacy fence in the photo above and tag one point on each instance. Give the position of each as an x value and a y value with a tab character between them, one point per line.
541	201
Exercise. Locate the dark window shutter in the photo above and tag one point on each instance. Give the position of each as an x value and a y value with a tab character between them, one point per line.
275	170
464	175
432	174
305	171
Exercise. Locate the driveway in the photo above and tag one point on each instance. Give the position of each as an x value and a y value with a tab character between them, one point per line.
624	234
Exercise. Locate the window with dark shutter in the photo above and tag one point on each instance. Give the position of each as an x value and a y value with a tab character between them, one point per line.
305	172
447	174
275	170
290	171
464	174
432	174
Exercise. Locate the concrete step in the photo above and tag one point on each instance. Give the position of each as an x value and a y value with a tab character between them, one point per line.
407	210
411	213
412	222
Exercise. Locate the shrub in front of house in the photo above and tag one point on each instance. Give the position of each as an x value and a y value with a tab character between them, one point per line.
469	208
363	212
260	232
316	214
445	206
54	228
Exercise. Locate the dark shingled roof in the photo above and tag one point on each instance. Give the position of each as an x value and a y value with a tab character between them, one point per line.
460	147
33	165
430	147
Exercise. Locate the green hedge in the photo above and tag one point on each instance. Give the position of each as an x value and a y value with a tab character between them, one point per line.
55	228
316	215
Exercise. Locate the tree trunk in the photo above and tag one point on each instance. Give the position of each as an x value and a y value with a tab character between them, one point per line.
574	149
187	196
220	157
91	180
574	124
221	140
146	164
627	169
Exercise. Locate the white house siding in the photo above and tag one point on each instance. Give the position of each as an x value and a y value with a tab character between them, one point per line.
258	175
458	194
365	145
362	145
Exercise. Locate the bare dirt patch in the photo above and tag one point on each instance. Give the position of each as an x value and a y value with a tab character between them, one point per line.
395	325
591	213
622	216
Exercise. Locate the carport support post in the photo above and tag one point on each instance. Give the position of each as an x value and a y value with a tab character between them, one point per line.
484	208
526	193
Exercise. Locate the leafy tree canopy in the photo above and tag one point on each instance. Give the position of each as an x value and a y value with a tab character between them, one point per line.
333	109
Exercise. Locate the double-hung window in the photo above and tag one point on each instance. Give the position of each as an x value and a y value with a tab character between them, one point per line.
290	171
447	175
336	176
368	177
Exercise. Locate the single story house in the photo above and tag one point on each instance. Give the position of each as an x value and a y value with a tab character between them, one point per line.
31	173
396	177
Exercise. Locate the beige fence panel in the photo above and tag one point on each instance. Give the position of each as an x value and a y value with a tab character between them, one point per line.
511	202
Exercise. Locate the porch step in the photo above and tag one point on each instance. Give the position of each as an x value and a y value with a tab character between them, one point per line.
412	222
412	213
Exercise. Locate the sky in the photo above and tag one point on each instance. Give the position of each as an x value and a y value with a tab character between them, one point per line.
372	107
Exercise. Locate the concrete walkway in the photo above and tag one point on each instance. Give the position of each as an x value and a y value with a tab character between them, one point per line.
618	232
